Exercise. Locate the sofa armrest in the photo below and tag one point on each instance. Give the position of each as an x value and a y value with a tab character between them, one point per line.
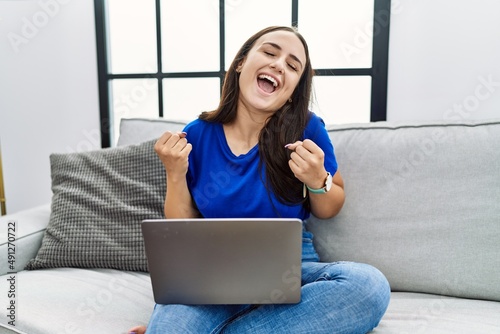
21	236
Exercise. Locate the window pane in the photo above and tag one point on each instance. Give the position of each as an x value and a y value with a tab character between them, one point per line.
185	98
190	35
132	98
245	18
339	33
132	36
342	99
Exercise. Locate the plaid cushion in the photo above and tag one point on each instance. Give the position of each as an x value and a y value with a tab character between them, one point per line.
99	199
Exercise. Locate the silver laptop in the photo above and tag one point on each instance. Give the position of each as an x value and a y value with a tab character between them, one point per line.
224	261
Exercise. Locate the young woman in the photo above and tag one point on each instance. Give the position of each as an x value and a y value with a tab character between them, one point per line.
262	153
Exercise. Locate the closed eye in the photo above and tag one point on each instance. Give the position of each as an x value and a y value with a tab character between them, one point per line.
293	67
269	53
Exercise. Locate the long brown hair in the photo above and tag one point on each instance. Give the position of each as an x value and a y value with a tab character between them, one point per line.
285	126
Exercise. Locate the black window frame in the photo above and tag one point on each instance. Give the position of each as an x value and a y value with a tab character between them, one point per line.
378	71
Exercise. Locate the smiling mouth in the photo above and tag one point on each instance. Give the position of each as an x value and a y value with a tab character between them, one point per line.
267	83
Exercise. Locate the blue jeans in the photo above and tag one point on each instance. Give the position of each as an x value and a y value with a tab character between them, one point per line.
340	297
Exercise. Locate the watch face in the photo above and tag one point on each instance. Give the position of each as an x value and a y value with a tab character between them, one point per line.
328	183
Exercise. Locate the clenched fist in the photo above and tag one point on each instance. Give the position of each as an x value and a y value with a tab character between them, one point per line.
173	150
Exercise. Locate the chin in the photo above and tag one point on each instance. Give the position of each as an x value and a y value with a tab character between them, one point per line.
269	107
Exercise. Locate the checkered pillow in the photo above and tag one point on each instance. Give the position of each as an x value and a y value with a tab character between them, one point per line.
99	199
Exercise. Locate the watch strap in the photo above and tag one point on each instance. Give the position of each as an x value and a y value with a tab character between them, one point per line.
317	191
320	190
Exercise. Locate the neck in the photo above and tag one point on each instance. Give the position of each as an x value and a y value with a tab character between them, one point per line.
249	122
242	134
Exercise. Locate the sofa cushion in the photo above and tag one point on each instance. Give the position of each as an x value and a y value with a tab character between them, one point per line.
434	314
137	130
422	205
99	199
73	300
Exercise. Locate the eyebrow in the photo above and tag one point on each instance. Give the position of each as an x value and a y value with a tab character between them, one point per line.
294	57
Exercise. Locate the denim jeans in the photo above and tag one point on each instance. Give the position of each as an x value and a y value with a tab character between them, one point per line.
340	297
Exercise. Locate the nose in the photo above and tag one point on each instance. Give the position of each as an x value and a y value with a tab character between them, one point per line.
278	66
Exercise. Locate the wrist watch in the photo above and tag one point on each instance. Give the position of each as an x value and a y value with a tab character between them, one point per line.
326	187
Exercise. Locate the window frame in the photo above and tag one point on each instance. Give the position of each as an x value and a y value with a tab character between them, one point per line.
378	72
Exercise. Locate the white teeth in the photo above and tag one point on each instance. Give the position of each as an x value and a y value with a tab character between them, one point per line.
270	78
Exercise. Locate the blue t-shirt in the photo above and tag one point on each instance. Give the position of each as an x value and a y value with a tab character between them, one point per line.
224	185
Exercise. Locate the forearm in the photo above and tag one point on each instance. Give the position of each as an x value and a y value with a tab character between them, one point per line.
327	205
178	200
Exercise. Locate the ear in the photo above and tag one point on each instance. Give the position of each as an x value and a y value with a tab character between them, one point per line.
240	66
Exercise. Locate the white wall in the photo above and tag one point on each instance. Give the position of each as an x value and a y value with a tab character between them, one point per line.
444	60
48	92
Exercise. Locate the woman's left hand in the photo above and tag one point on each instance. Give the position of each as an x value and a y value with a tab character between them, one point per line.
307	163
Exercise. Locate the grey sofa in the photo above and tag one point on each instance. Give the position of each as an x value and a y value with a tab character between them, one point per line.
423	206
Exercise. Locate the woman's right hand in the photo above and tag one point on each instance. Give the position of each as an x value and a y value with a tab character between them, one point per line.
173	150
